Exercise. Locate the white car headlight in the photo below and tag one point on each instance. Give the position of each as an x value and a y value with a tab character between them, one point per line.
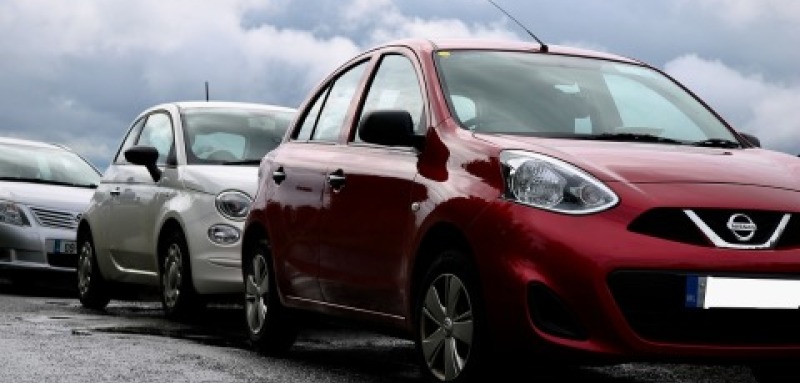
233	204
11	213
551	184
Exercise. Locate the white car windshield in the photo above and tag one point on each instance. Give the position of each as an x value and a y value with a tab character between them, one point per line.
26	163
227	136
552	95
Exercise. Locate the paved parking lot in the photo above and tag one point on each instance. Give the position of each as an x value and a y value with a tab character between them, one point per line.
46	336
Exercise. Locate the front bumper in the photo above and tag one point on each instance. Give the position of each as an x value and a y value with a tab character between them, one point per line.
216	268
588	286
25	248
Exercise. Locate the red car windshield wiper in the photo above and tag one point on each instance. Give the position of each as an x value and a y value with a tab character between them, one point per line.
635	137
718	143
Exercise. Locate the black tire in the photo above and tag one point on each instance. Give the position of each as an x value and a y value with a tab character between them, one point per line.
178	296
776	373
271	327
93	290
451	322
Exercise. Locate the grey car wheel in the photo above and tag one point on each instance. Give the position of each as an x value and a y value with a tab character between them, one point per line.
172	277
446	327
270	325
93	291
449	314
178	297
257	294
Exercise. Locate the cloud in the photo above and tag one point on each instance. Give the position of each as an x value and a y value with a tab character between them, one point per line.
81	70
397	26
748	101
86	68
743	12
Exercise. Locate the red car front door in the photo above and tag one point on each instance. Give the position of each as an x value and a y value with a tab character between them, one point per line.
364	230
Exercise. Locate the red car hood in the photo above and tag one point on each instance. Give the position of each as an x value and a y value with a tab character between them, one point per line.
663	163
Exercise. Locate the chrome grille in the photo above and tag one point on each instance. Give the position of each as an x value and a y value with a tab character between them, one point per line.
709	227
55	218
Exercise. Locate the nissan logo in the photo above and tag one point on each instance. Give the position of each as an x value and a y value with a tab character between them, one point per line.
742	227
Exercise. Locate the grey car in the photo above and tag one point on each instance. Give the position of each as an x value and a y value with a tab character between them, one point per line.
44	188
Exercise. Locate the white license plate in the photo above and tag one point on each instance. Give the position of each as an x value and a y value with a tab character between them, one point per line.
754	293
61	246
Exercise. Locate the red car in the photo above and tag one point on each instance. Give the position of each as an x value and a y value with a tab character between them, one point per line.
492	199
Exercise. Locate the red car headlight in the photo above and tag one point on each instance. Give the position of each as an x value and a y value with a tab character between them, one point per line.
549	183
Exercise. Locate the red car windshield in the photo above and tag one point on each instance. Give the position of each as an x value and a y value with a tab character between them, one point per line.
565	96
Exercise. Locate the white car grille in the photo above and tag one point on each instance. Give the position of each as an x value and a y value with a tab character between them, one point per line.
56	218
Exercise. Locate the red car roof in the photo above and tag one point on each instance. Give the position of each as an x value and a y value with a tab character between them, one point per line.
421	44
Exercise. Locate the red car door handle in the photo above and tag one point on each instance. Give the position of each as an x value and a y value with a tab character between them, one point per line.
279	175
336	179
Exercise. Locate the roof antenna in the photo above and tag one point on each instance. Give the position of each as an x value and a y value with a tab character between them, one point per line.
543	45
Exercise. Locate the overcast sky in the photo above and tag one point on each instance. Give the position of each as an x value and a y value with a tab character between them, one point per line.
77	72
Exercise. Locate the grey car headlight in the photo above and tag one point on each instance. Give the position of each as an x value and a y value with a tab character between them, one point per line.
12	214
548	183
233	204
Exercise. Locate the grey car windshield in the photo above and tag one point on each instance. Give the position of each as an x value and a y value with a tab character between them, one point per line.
574	97
226	136
25	163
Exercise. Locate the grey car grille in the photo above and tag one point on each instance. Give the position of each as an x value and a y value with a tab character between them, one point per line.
55	218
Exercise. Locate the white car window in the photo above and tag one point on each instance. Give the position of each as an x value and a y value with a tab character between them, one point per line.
157	132
225	135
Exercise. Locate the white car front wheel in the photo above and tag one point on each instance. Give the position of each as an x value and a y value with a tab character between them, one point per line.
93	290
178	297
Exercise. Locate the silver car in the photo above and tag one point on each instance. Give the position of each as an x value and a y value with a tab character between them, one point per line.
171	206
44	188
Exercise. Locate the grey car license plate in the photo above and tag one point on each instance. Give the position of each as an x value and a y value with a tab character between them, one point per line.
755	293
61	246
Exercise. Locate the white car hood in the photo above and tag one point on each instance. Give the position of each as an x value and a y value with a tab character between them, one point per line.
56	197
213	179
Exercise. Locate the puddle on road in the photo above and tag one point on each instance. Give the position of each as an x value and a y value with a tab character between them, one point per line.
203	336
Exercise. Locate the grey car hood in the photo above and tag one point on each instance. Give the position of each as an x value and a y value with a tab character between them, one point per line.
213	179
48	196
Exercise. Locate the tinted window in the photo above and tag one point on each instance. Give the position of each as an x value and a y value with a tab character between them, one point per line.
395	87
311	118
336	104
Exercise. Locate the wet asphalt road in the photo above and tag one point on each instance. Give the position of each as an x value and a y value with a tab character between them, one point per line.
46	336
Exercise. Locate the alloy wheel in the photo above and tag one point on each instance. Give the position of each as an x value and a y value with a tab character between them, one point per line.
173	275
446	327
256	293
85	268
